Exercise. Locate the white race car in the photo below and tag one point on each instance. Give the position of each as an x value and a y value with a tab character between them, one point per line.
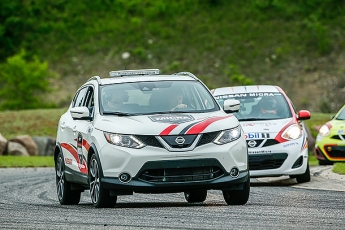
275	134
140	131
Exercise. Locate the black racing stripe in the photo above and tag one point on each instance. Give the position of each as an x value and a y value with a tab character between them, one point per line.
189	126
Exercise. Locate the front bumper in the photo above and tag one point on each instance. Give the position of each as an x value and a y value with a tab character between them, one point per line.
278	161
329	149
225	182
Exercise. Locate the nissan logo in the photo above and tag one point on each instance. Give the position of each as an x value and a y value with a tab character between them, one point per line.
251	143
180	140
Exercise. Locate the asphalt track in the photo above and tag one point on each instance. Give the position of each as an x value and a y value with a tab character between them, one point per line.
28	201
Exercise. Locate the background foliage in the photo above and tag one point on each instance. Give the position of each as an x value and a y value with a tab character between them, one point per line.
297	45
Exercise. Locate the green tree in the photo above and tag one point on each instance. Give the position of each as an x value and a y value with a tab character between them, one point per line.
236	78
23	82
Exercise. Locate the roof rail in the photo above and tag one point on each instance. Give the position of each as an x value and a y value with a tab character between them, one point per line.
97	78
121	73
186	73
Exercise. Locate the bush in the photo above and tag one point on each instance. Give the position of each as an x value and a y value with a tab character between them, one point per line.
23	83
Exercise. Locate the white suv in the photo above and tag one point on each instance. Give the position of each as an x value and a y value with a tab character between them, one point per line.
140	131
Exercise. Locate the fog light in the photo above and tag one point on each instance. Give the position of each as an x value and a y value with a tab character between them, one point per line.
234	172
124	177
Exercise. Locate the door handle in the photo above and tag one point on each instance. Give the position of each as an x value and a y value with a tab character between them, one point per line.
62	125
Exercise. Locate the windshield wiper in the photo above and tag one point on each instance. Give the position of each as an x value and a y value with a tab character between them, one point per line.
117	113
248	119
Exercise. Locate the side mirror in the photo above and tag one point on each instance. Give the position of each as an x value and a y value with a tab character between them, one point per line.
231	106
80	113
303	115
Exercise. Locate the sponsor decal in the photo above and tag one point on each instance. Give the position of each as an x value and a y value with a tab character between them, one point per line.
290	144
172	118
80	148
249	95
68	161
257	136
259	152
73	151
266	124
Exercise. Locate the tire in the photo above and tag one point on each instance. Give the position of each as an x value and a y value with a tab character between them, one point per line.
195	196
100	197
305	177
237	197
65	195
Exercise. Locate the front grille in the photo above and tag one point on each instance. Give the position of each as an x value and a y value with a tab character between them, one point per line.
335	151
337	137
266	161
270	142
149	140
207	138
181	174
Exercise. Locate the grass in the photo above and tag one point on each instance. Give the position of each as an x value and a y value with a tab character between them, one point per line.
40	122
339	168
26	161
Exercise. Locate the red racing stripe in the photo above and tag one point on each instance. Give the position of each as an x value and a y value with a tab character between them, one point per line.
168	130
198	128
73	151
86	145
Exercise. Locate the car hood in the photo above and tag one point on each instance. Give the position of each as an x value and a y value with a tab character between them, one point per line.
338	127
264	126
167	124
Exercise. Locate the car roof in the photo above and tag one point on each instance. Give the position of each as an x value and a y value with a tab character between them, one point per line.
124	79
123	76
246	89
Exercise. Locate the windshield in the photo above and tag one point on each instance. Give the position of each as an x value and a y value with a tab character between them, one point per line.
259	106
341	115
156	97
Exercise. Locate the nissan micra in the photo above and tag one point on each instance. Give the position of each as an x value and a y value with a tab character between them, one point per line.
275	132
139	131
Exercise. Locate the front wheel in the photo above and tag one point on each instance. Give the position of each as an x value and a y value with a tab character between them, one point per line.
305	177
65	195
195	196
237	197
100	197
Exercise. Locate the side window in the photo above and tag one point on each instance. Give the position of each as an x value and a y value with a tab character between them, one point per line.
89	102
79	97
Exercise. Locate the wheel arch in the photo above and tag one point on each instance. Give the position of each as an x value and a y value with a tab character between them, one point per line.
57	150
93	150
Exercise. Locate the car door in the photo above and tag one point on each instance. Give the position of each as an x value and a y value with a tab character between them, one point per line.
82	131
68	129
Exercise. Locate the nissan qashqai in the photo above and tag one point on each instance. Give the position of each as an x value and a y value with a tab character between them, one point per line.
139	131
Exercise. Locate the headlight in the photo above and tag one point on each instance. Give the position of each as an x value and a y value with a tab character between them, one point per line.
324	130
292	133
122	140
228	135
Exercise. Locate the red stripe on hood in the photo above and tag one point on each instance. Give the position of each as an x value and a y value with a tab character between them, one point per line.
168	130
198	128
